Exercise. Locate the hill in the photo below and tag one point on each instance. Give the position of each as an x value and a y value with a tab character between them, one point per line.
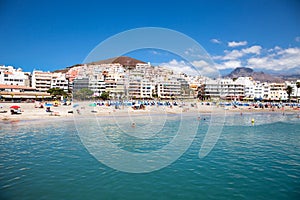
258	76
126	61
123	60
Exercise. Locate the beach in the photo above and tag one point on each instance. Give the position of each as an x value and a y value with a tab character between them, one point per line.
32	111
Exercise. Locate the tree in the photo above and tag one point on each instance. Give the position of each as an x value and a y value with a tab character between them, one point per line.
289	91
57	92
104	95
298	86
83	93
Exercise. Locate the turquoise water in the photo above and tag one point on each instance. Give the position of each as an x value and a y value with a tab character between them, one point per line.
46	160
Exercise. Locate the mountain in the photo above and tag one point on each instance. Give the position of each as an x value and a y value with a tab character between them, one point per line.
126	61
291	74
258	76
123	60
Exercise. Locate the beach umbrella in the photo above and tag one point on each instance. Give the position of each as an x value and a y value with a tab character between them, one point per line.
56	103
92	105
75	105
48	104
15	107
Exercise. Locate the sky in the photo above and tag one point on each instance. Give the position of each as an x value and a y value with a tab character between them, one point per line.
52	34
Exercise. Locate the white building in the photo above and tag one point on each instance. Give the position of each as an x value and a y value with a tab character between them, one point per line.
254	89
224	88
140	88
11	76
59	80
296	91
41	80
98	86
277	92
169	89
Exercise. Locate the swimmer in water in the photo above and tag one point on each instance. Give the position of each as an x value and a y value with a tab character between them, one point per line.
133	125
252	121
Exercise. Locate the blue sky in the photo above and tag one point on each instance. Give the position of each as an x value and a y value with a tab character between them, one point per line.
49	35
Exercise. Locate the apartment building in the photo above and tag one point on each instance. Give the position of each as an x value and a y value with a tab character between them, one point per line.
11	76
140	88
224	88
168	89
277	92
97	84
59	80
41	80
296	91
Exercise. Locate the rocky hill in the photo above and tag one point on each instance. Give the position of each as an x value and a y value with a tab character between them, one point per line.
123	60
126	61
258	76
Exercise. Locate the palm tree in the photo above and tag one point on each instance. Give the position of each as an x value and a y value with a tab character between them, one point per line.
289	91
298	86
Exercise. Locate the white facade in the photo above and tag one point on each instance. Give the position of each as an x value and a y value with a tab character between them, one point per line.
140	88
41	80
224	88
59	80
277	92
12	76
296	91
168	89
98	86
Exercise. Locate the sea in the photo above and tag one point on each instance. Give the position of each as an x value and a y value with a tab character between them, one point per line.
248	156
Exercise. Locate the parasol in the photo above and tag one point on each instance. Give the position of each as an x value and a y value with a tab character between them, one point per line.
15	107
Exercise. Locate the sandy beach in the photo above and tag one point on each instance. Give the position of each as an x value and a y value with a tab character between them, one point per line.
30	111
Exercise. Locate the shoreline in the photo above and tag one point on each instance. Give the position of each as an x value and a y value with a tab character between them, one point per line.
30	113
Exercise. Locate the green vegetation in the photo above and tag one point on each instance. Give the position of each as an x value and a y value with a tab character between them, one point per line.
83	93
298	86
289	91
57	92
104	96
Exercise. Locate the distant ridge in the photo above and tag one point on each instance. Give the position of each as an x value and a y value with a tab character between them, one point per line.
258	76
126	61
123	60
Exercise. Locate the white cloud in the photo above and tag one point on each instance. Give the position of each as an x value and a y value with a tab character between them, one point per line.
179	66
200	63
233	64
276	48
290	51
196	53
254	50
236	54
283	59
277	58
258	61
198	67
232	55
216	41
154	52
237	44
229	64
